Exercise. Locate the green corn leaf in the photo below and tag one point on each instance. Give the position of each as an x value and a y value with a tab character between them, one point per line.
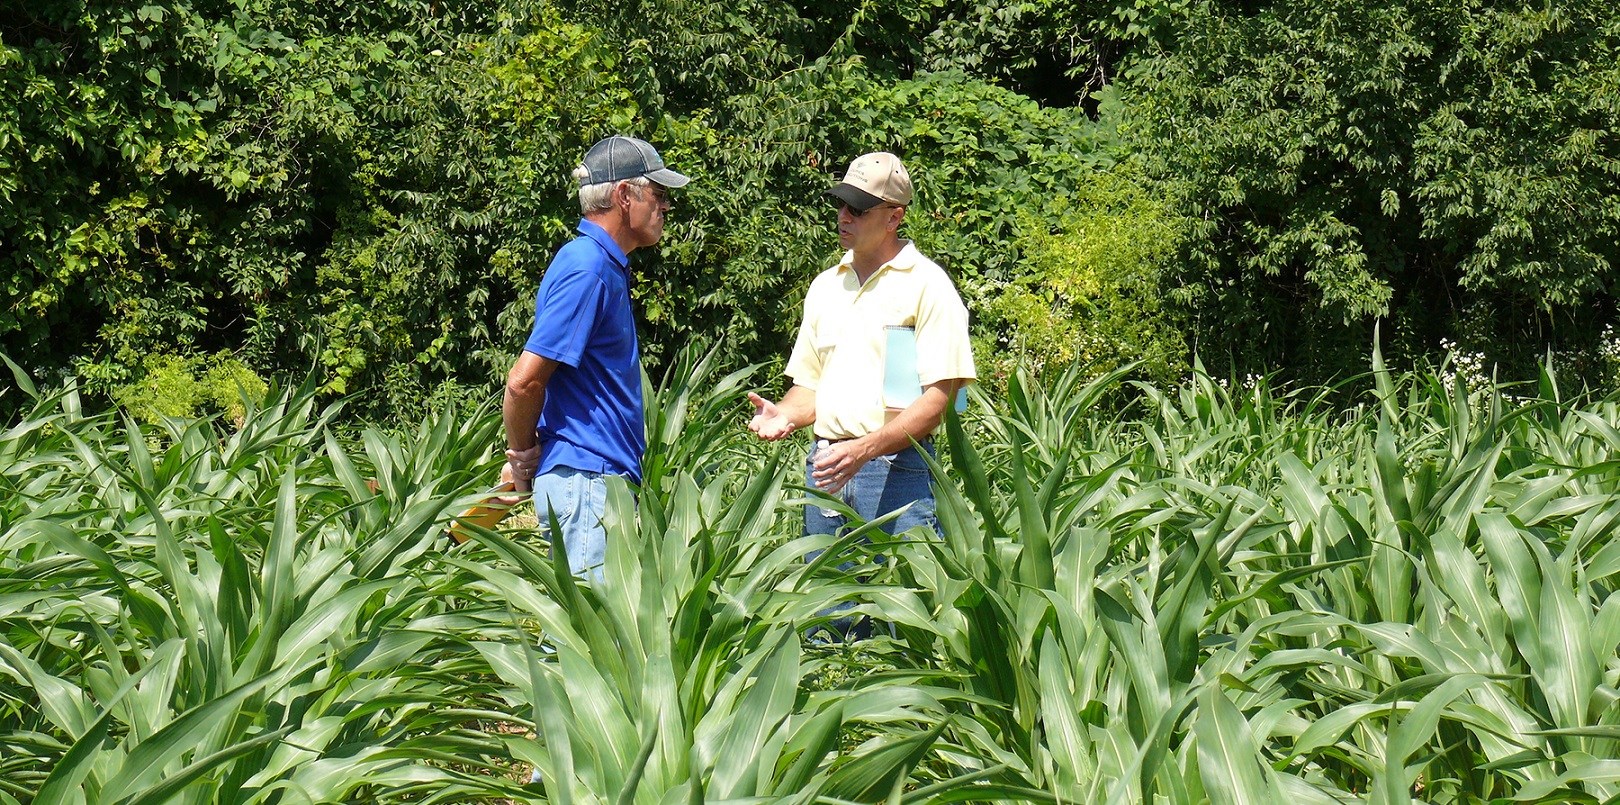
1327	731
968	789
877	773
768	701
632	782
1390	573
1394	782
603	728
277	599
1458	573
1390	489
1232	771
1518	582
1558	789
1065	733
150	761
66	705
24	382
139	457
62	785
175	784
1570	671
970	473
1035	558
324	621
553	717
806	751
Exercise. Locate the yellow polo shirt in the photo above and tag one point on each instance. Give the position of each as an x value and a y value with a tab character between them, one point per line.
839	353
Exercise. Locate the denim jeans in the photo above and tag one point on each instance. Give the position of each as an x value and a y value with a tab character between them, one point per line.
579	499
886	483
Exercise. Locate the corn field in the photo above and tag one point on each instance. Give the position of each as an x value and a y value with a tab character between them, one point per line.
1209	593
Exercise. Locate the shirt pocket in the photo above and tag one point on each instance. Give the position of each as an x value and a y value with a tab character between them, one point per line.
897	315
826	333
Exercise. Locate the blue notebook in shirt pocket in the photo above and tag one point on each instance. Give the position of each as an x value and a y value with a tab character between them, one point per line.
901	385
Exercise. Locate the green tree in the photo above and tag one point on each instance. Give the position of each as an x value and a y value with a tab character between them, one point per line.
359	192
1450	167
166	168
370	194
758	226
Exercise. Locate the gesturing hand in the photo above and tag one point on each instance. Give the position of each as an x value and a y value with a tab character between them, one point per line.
768	422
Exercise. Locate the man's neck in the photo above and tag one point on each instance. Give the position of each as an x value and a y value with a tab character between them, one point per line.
868	262
617	228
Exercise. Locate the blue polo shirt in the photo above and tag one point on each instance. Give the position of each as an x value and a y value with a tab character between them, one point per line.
592	418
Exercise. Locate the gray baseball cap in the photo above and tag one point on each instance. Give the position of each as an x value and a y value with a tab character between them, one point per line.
617	158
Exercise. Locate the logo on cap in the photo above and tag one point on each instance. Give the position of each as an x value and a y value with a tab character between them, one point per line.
873	179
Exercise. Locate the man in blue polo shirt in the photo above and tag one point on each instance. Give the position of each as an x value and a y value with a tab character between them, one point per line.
573	399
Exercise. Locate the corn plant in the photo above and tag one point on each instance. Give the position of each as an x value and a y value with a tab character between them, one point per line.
1232	597
273	614
683	675
211	617
1206	593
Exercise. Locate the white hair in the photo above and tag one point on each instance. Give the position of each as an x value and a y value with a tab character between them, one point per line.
599	196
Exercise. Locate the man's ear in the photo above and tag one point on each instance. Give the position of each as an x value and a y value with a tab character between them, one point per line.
619	198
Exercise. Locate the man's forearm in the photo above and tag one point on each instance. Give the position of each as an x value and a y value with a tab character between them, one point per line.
799	406
916	422
525	398
521	415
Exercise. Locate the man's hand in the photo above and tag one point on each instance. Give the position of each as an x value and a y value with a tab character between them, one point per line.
513	498
768	423
835	463
520	468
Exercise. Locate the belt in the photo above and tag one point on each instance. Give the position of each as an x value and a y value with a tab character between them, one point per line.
924	441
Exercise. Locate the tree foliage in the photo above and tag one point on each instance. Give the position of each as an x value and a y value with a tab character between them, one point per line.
358	193
368	194
1450	166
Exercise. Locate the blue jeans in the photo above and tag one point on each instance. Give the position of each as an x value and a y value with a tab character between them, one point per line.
886	483
579	499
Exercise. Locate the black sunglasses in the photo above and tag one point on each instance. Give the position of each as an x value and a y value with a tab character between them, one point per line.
854	213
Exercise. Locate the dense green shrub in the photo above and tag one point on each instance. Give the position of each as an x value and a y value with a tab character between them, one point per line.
186	387
357	194
372	196
748	236
1096	266
980	156
369	195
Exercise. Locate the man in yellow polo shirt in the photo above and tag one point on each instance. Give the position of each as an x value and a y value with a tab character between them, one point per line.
863	450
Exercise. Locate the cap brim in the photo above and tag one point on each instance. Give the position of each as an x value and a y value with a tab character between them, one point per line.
856	198
667	178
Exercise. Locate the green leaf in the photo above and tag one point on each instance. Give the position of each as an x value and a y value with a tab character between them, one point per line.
880	772
1233	772
150	760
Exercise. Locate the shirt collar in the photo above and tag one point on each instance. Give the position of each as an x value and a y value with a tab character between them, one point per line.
904	261
595	232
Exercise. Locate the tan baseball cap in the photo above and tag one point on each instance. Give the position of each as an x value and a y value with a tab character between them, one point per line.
873	179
